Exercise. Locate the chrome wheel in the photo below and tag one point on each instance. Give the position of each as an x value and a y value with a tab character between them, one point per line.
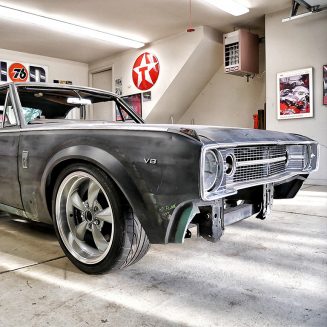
84	217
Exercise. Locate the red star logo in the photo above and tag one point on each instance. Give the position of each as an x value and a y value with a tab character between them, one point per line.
145	71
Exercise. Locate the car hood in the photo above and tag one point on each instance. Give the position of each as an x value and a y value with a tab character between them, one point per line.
203	133
223	135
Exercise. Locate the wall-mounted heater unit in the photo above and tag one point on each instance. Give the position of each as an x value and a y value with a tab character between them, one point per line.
241	53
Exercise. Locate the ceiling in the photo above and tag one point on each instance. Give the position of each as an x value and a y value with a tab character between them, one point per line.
144	20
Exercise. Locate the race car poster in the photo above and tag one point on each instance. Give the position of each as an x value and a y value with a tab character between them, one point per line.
294	94
325	85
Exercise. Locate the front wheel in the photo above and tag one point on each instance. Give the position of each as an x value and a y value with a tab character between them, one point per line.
95	227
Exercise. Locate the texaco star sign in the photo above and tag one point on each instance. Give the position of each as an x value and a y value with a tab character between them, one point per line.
145	71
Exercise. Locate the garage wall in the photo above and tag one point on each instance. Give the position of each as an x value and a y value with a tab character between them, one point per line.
298	44
192	84
195	73
57	68
174	55
228	100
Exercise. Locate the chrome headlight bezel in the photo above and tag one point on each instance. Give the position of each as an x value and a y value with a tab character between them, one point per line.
207	189
211	170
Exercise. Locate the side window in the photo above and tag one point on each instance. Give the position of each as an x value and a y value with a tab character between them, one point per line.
7	112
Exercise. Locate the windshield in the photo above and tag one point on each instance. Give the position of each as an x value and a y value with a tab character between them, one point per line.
51	104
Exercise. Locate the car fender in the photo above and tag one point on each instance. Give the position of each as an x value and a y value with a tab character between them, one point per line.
105	161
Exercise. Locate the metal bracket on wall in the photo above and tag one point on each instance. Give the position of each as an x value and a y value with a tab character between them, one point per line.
311	10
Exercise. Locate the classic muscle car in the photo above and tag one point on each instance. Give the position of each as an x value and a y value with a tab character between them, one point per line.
112	188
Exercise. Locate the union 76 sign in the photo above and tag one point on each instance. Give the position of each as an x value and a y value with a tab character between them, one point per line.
145	71
22	72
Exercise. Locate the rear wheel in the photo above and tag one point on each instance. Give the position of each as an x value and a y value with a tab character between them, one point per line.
95	227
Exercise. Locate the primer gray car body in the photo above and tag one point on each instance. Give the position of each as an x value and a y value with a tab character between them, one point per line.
160	169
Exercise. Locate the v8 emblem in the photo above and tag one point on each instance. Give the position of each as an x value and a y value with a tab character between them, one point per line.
150	161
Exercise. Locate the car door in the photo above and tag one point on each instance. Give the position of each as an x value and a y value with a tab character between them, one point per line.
9	144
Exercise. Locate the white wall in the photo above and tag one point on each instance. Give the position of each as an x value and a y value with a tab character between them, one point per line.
57	68
173	52
228	100
192	84
298	44
190	80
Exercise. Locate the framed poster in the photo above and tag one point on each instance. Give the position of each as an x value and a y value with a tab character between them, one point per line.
134	101
295	94
324	74
118	86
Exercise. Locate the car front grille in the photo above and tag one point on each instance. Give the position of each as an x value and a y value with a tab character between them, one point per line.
258	162
259	152
297	162
246	165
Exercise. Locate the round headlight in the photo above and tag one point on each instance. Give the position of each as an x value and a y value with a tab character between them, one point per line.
211	168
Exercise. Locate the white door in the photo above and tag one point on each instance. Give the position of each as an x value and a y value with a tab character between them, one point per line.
103	80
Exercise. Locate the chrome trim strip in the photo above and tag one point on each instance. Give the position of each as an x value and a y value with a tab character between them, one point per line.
97	127
218	195
9	130
318	159
273	179
260	162
233	188
234	145
117	126
296	157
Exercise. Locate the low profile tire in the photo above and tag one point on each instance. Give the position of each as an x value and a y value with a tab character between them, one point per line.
94	225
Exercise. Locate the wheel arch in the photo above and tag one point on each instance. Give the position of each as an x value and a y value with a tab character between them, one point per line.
99	158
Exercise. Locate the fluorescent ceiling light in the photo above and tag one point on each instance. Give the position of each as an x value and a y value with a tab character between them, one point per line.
65	27
297	16
232	7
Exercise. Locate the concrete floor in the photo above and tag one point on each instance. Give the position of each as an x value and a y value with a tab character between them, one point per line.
262	273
